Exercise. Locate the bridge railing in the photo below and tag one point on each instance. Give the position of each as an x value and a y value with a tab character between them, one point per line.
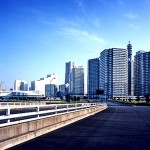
22	103
14	114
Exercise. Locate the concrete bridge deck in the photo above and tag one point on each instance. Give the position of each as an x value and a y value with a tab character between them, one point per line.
117	128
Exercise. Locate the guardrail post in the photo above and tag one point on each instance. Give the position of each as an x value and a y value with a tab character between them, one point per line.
76	107
55	109
82	105
93	104
67	107
8	113
37	110
89	105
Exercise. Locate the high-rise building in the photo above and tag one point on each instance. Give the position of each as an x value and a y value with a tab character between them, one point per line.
132	78
74	79
68	76
20	85
141	73
129	48
114	72
93	77
78	81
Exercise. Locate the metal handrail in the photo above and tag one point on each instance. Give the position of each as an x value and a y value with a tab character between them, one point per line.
21	103
55	109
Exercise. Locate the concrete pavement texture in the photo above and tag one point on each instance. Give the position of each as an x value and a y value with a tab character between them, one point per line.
116	128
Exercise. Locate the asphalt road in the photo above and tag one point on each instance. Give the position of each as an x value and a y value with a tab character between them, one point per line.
117	128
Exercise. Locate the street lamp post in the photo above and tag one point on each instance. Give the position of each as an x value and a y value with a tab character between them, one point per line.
50	86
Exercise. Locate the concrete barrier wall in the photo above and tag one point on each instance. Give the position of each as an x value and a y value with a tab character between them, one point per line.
19	133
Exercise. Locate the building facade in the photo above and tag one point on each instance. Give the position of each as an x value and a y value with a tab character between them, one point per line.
19	94
51	90
114	72
62	88
20	85
39	85
142	73
2	86
68	76
78	81
93	77
129	48
132	78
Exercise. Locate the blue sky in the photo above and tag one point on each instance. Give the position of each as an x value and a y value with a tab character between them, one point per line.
37	37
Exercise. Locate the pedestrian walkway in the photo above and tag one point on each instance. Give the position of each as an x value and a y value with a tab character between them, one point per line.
117	128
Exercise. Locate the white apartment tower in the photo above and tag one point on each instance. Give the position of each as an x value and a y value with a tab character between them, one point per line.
39	85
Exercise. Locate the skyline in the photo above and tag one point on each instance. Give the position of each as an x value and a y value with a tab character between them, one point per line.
39	36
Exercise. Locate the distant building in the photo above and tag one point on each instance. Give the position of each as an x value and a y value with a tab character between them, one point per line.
62	88
78	81
51	90
114	72
39	85
93	77
20	85
2	86
141	73
129	48
19	94
74	79
68	75
132	78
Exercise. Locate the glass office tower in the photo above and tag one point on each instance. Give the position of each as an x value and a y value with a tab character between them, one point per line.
114	72
93	77
142	73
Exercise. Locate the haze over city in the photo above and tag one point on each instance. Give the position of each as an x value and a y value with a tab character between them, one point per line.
39	36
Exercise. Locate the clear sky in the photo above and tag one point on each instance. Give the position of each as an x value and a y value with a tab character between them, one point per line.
37	37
